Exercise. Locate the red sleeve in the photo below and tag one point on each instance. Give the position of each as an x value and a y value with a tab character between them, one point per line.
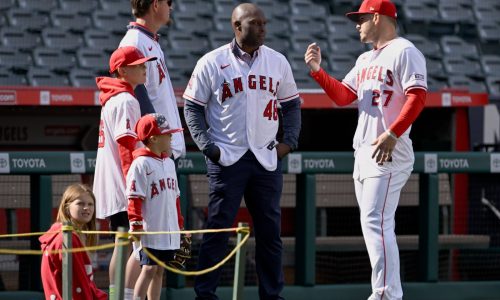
415	102
126	145
338	92
135	213
180	217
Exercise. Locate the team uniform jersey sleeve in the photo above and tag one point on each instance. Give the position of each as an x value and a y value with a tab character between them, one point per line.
127	115
137	180
199	88
413	69
287	89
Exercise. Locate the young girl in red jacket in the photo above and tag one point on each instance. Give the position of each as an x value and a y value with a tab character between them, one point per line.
77	207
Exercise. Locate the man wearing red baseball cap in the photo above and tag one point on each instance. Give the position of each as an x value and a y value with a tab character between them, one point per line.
390	86
153	202
117	139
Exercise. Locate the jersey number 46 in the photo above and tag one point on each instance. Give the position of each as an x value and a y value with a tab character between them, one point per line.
271	110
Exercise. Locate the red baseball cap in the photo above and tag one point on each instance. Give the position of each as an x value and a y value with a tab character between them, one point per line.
153	124
127	56
382	7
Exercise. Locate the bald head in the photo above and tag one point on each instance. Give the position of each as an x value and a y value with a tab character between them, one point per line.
248	22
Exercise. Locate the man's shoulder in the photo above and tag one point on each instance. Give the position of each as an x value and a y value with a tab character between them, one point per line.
271	52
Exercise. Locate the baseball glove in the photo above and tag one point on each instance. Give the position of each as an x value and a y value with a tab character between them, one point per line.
182	254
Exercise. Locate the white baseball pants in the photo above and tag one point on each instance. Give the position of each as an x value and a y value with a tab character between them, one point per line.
378	199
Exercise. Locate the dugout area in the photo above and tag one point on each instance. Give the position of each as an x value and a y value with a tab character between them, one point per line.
468	239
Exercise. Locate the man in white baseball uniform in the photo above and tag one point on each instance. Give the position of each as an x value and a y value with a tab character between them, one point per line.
151	15
390	85
120	112
231	109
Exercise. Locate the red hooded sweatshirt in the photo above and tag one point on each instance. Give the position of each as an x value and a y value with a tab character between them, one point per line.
83	286
109	87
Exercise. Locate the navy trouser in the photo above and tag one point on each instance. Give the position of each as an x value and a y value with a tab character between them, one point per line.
262	191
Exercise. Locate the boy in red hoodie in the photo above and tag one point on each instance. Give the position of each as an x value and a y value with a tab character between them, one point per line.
77	207
120	112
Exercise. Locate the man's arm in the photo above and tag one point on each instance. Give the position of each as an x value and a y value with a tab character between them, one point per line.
195	120
292	121
144	102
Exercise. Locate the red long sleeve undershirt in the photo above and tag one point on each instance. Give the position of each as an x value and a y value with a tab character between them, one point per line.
126	145
342	95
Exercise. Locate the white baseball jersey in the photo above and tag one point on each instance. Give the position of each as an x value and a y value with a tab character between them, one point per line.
158	85
154	180
241	101
118	118
380	79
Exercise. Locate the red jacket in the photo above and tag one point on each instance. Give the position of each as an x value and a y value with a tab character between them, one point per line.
83	286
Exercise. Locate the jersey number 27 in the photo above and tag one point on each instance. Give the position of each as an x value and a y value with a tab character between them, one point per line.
376	97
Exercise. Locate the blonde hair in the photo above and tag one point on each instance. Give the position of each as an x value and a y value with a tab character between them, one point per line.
72	193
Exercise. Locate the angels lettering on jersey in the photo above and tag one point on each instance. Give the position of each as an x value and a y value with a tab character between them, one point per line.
158	186
235	86
382	75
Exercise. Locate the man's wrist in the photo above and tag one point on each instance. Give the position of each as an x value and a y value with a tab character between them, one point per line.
392	134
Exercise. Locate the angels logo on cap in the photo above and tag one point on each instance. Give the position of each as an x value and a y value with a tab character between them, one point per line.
153	124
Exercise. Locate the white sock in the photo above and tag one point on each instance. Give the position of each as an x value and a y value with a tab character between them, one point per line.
128	294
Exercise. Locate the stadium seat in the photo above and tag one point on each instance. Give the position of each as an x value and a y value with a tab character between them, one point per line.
94	59
27	19
453	45
180	61
54	59
279	44
119	6
435	67
44	77
493	83
61	39
340	26
435	84
489	31
82	78
339	65
345	45
38	5
306	25
179	40
341	7
304	81
486	13
18	38
8	78
110	21
490	64
308	9
12	58
460	16
70	20
487	4
101	40
222	22
190	23
193	8
463	82
217	39
426	46
300	41
273	9
80	6
278	27
459	65
6	4
179	79
417	17
296	60
224	7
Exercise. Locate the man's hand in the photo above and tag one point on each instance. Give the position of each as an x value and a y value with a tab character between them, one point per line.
213	153
134	237
312	57
282	150
384	145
